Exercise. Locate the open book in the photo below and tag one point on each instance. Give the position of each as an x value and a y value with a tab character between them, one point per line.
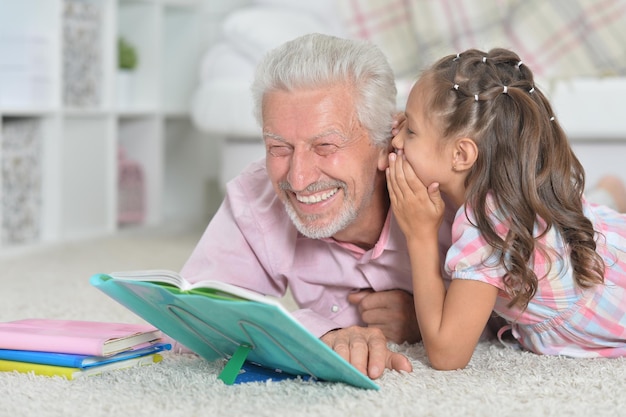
218	320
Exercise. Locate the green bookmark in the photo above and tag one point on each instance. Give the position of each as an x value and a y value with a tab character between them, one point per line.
234	364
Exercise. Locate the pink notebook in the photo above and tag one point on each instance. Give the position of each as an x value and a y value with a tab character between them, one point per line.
75	336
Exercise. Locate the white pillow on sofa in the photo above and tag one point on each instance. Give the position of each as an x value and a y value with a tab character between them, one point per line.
321	8
324	10
255	30
222	61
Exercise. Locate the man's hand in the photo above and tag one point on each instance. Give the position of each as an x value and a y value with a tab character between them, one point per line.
392	311
366	349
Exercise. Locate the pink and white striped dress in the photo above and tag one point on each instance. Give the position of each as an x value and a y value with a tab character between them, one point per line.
561	319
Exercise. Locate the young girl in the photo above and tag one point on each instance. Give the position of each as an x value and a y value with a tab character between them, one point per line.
479	135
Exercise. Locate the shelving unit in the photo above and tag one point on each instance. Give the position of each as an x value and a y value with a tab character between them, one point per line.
58	71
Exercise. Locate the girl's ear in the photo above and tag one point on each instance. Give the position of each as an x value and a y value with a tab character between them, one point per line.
465	154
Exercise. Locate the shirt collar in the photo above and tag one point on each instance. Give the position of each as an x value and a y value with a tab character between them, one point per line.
378	248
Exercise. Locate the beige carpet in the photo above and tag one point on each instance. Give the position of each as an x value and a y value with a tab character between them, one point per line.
53	282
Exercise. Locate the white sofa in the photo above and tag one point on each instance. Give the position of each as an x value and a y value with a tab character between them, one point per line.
571	48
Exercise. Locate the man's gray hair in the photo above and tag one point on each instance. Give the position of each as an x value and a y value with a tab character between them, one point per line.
317	61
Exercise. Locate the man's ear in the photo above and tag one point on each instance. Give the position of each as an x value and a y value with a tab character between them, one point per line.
465	154
383	157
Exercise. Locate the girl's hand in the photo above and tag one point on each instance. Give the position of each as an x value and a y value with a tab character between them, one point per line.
398	122
418	209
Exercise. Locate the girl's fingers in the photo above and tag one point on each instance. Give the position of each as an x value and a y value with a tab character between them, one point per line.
398	118
392	184
412	180
408	179
398	121
398	176
390	187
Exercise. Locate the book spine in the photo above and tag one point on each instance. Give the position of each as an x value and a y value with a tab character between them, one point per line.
46	358
38	369
72	373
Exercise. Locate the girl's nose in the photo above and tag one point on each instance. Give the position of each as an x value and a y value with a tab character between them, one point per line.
397	142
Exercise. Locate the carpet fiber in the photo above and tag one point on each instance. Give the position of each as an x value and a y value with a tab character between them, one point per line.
52	282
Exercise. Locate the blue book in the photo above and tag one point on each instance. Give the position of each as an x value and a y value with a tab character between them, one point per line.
77	361
253	372
222	321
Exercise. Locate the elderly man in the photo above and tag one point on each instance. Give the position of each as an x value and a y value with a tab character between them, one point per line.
314	216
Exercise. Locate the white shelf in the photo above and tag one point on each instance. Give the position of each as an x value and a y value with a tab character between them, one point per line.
86	190
81	120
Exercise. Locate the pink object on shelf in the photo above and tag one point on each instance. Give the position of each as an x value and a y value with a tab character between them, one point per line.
131	192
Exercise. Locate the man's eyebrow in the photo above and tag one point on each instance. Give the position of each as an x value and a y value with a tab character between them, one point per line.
274	136
271	135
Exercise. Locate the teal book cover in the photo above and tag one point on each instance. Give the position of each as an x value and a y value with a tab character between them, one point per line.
215	320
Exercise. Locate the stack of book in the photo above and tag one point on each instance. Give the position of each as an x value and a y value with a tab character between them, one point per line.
74	348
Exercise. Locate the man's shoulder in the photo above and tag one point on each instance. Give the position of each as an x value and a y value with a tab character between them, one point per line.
252	193
252	181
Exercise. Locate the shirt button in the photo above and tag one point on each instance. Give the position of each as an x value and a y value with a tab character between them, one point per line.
334	308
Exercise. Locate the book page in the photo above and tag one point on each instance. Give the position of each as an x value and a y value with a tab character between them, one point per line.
217	288
156	275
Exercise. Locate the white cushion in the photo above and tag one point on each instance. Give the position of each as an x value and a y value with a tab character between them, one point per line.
221	60
324	10
321	8
224	106
255	30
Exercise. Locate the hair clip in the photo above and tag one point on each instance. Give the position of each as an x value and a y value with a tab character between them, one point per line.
458	56
519	64
552	119
505	89
475	97
456	87
532	90
484	59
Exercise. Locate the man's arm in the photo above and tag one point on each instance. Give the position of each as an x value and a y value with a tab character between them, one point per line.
391	311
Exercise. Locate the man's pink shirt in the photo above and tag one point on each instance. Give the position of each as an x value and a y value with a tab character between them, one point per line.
251	242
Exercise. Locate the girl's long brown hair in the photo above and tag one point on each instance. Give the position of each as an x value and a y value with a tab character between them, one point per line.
525	163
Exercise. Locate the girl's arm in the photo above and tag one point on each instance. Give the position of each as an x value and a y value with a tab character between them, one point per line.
452	321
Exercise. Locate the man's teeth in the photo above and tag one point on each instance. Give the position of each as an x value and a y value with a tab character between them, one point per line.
310	199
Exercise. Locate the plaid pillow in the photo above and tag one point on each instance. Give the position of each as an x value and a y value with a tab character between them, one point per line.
443	27
564	38
557	38
386	23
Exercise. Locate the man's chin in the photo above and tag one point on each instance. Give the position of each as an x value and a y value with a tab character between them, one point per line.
319	226
315	231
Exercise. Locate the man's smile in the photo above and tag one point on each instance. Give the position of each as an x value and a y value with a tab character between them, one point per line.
316	198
